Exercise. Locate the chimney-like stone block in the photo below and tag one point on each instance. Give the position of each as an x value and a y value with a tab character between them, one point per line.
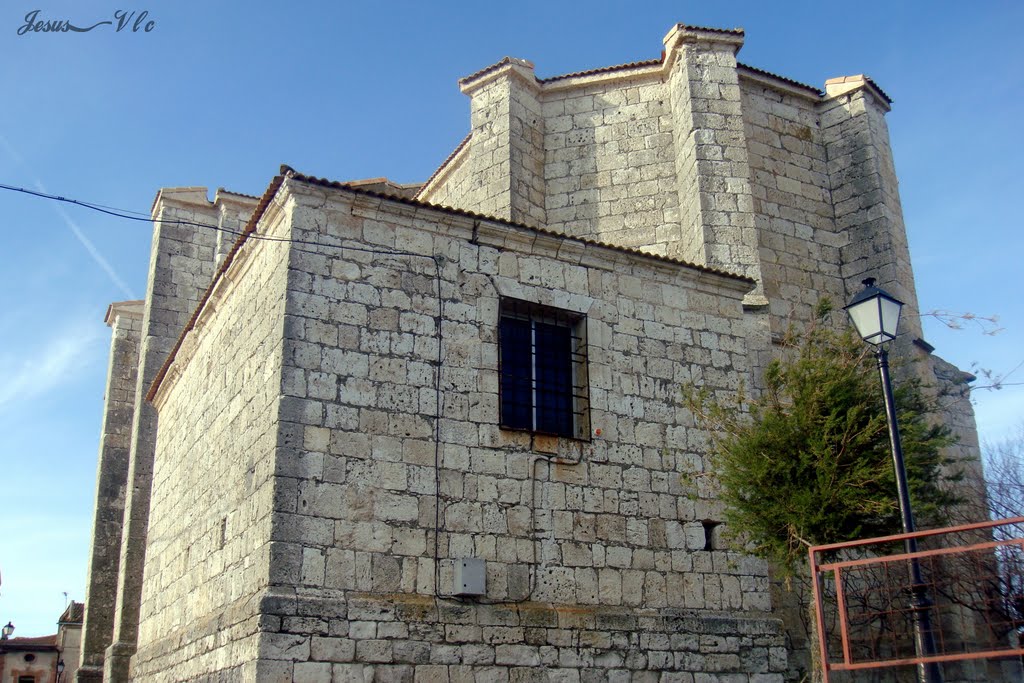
233	213
712	167
865	193
506	155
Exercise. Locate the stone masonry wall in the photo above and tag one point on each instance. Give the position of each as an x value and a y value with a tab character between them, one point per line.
593	161
671	157
213	483
953	390
950	384
799	245
609	163
601	558
233	212
691	242
125	320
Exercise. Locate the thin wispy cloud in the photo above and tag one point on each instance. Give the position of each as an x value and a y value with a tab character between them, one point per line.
90	248
52	364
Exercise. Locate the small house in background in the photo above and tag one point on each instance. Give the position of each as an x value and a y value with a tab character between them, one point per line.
69	639
29	660
45	659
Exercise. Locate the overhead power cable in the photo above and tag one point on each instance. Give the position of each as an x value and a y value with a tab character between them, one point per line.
142	218
111	211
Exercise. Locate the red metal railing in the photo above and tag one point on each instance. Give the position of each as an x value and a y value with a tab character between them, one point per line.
973	578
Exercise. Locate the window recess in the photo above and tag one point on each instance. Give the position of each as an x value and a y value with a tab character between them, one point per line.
543	368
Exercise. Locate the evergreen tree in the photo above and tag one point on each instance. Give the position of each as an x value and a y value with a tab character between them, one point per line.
808	461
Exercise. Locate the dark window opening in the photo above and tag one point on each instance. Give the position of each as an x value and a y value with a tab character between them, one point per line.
543	369
709	534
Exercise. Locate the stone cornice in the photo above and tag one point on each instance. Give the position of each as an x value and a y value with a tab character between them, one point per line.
844	85
133	309
723	38
509	67
182	197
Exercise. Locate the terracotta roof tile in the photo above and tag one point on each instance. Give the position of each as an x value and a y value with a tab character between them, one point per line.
493	67
35	643
74	614
603	69
221	190
881	92
790	81
711	29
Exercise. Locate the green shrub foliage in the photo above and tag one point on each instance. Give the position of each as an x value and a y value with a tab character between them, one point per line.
808	461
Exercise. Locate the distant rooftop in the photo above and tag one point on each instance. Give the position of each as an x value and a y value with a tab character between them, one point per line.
36	643
74	614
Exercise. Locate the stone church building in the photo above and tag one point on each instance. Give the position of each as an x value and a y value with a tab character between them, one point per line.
435	432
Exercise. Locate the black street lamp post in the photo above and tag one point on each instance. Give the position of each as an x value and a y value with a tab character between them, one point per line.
876	314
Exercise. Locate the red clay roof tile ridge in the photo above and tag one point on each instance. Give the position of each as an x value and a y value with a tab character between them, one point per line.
875	85
31	641
448	160
237	194
73	614
604	69
497	65
790	81
738	31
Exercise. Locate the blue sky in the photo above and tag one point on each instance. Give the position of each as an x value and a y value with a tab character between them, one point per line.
221	94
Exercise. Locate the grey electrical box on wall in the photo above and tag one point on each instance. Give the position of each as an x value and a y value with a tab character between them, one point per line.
470	577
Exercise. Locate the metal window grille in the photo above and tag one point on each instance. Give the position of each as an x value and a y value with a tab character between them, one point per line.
543	368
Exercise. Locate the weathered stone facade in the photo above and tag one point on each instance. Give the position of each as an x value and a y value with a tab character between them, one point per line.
333	425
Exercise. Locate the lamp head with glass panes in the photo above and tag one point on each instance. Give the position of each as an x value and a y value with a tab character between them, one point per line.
875	313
